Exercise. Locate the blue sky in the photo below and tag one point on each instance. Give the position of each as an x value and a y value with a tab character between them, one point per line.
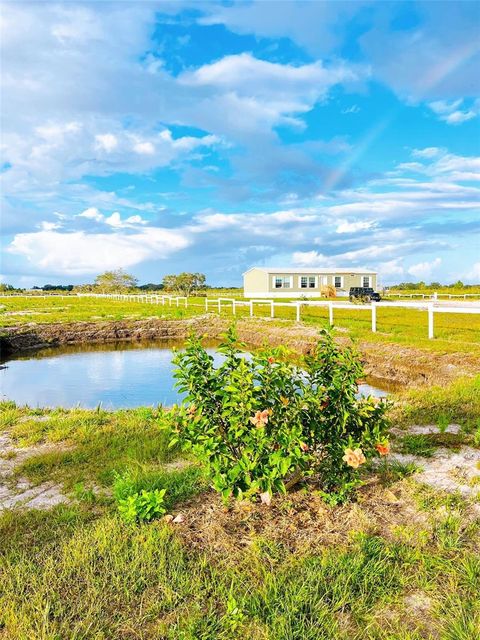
213	136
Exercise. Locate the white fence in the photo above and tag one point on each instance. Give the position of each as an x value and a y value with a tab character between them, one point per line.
140	297
232	304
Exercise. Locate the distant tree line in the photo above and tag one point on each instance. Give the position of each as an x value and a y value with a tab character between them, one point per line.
55	287
407	286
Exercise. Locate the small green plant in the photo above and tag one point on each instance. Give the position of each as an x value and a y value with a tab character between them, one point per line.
442	422
262	423
84	494
476	437
395	470
143	506
137	506
418	445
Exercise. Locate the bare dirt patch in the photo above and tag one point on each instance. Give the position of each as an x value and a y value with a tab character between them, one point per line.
454	472
19	491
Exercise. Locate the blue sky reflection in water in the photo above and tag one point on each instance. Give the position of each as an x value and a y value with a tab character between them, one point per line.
115	376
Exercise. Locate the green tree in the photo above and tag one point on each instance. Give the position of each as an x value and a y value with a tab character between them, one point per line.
185	283
6	287
116	280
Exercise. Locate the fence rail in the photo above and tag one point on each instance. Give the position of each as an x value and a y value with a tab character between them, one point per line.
222	304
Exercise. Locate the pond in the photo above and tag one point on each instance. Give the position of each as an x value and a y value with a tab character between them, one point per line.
116	376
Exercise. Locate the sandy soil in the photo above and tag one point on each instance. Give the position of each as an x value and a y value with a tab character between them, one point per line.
14	491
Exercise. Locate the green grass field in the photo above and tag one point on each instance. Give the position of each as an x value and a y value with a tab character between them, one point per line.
370	570
453	332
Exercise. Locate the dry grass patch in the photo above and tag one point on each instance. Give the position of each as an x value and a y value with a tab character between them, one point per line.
299	521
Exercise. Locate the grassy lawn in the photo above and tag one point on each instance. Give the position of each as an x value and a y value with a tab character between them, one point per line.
401	568
453	332
22	310
457	403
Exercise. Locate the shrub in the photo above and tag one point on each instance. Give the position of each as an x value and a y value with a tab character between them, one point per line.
261	423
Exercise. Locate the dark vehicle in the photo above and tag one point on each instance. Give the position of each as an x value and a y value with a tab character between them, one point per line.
364	294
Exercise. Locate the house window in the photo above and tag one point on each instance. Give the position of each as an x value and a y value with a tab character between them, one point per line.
366	281
338	282
282	282
308	282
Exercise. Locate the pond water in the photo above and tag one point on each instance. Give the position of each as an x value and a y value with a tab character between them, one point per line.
118	375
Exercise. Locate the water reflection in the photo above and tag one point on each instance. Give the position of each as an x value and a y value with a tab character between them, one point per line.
117	375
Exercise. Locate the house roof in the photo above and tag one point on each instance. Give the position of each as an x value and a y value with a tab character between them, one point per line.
287	270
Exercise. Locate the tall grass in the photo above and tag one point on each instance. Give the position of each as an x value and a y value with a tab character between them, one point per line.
458	403
109	580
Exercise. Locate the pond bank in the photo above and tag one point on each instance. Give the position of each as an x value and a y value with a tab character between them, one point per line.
387	362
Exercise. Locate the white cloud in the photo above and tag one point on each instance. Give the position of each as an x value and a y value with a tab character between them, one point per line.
391	268
449	112
438	57
353	227
114	220
79	253
246	74
353	109
425	269
49	226
444	166
106	142
92	213
474	274
457	117
310	259
442	107
266	91
146	148
428	152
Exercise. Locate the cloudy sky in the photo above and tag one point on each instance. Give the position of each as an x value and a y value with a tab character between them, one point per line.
212	136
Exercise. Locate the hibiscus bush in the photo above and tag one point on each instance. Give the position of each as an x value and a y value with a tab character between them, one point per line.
262	422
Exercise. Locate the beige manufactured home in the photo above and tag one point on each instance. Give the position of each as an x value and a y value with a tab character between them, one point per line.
266	282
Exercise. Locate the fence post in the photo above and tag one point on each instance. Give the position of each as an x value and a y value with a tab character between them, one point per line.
374	316
234	308
430	321
186	302
206	303
298	311
251	308
330	313
219	303
272	309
